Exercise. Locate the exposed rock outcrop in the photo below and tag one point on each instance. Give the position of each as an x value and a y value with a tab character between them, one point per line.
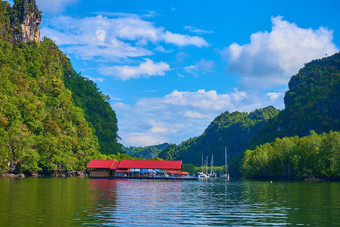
25	21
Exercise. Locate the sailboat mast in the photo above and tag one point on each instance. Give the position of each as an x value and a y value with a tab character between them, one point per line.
202	164
212	163
226	160
207	165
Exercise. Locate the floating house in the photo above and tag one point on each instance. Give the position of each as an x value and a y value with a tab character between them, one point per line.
102	168
134	168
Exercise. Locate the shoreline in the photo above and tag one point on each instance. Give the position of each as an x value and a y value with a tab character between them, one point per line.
64	174
304	179
41	175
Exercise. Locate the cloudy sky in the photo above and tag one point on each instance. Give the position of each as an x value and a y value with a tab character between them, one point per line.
171	66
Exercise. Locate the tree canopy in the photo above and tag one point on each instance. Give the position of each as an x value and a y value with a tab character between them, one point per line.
316	155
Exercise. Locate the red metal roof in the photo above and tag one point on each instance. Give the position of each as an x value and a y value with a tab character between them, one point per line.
102	164
149	164
115	165
177	172
123	171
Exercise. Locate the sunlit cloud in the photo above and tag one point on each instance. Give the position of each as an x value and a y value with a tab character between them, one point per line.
102	37
145	69
197	30
274	95
271	58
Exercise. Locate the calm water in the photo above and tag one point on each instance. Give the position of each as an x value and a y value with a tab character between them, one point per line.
80	201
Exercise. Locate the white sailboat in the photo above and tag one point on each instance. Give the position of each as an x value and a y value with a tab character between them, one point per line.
212	173
202	175
226	174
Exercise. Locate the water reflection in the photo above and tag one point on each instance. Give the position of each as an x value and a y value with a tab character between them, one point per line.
135	202
41	201
101	198
73	201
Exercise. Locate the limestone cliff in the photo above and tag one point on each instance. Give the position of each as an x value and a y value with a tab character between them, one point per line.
25	19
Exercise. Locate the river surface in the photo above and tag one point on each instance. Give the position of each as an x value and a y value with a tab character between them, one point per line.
82	201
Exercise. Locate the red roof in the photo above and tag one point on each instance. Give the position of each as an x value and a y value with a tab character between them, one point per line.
115	165
177	172
102	164
149	164
123	171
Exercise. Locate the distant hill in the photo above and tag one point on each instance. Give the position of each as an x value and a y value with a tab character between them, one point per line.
231	130
145	152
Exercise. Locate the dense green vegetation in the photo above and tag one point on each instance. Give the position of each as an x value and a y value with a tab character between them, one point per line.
311	103
41	129
231	130
145	152
44	126
316	155
6	32
97	109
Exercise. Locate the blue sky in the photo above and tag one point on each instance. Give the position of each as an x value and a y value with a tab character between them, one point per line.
171	67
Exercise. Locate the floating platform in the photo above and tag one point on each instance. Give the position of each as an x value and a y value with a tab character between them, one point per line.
151	178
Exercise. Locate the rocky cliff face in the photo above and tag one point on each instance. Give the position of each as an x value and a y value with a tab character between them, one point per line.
25	21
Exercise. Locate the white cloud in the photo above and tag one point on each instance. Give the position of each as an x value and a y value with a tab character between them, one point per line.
192	114
162	49
145	69
143	139
54	6
204	100
271	58
274	95
101	37
101	34
184	40
197	30
181	114
105	53
202	66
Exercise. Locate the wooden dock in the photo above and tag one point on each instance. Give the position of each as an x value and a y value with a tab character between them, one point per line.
150	178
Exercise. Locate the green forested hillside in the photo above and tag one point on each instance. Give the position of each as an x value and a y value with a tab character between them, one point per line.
145	152
41	128
231	130
6	32
97	109
44	126
293	157
311	103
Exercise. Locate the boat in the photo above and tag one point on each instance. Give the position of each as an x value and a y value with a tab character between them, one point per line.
226	174
203	175
212	173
